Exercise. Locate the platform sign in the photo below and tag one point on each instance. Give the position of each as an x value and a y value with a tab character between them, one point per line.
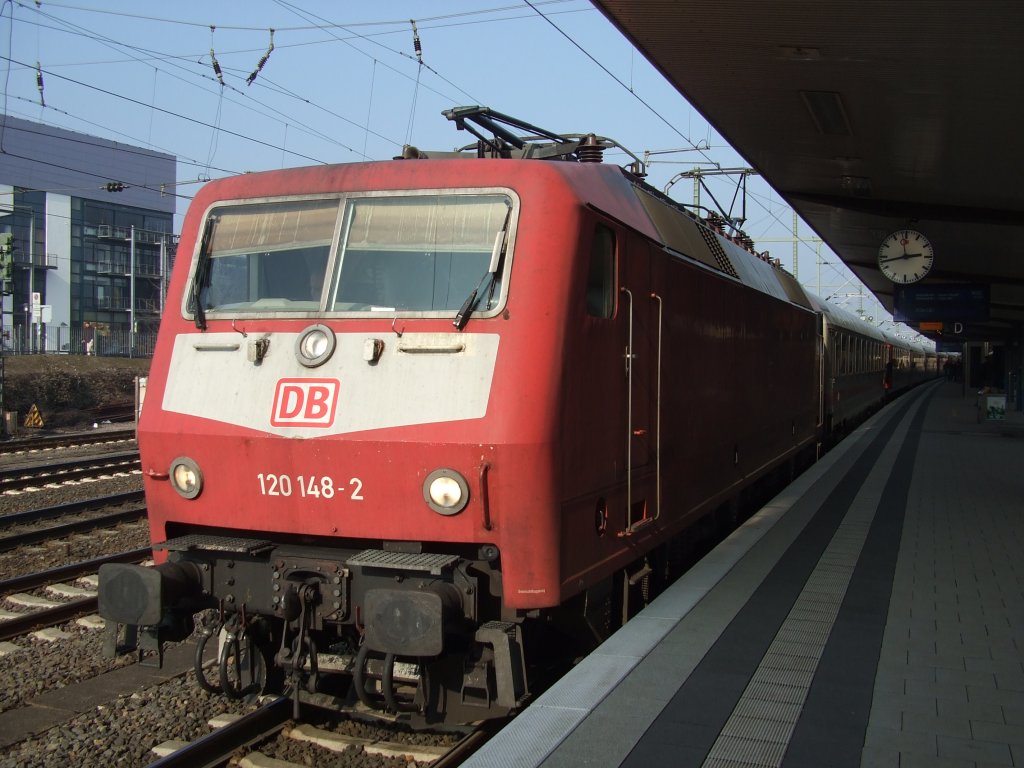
941	302
42	313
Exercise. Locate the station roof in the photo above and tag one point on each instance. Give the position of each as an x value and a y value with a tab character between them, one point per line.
868	118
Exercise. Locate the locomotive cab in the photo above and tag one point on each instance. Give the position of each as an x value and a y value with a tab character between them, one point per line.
321	568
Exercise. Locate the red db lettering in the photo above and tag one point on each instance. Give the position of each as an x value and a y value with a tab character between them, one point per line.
291	401
305	403
317	402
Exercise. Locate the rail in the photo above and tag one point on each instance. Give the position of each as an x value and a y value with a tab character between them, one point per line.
59	472
71	570
66	441
16	540
215	748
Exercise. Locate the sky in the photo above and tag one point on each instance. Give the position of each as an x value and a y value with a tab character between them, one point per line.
344	82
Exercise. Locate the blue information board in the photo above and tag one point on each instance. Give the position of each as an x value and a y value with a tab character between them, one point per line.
940	302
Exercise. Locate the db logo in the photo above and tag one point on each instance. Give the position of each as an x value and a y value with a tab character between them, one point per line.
305	402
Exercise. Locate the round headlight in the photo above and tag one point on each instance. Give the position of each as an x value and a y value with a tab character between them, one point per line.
446	491
315	345
186	477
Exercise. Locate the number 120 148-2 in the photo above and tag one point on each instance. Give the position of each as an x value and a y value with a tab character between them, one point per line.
307	487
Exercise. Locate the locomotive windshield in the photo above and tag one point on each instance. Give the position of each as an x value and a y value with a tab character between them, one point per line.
267	256
409	253
420	253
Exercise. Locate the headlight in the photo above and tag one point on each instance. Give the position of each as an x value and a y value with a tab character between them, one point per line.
315	345
186	477
446	491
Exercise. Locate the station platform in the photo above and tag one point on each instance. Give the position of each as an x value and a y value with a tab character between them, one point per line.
871	615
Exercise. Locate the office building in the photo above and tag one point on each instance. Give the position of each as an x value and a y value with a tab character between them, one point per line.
92	239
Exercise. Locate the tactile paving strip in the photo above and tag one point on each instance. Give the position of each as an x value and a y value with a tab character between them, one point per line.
759	729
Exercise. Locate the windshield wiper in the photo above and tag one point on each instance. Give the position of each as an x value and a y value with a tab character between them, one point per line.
497	252
201	279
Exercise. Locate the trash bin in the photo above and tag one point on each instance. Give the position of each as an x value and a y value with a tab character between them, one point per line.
995	407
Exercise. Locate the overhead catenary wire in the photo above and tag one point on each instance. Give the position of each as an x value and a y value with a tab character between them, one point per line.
215	134
325	24
369	106
213	61
39	84
169	58
474	16
610	74
262	62
123	149
301	44
630	89
246	28
169	112
71	28
327	27
82	171
418	48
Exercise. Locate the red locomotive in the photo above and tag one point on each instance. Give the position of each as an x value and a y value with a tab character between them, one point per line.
402	413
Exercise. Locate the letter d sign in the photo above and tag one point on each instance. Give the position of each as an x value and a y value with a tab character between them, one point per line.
305	403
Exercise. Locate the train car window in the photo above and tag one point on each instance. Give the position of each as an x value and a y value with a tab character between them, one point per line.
270	256
601	275
421	253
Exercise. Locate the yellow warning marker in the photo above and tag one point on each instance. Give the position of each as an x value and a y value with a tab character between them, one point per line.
34	418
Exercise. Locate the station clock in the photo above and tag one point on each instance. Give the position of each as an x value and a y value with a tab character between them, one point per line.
905	256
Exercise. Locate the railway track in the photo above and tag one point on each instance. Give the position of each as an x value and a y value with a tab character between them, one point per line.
50	472
69	508
47	611
215	748
260	737
69	440
13	527
49	533
52	615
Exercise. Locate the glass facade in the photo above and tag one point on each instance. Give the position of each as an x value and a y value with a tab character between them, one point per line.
25	219
109	291
105	279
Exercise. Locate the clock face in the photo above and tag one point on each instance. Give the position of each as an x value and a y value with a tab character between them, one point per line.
905	256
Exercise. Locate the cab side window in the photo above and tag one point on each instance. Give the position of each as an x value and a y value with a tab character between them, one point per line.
601	275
